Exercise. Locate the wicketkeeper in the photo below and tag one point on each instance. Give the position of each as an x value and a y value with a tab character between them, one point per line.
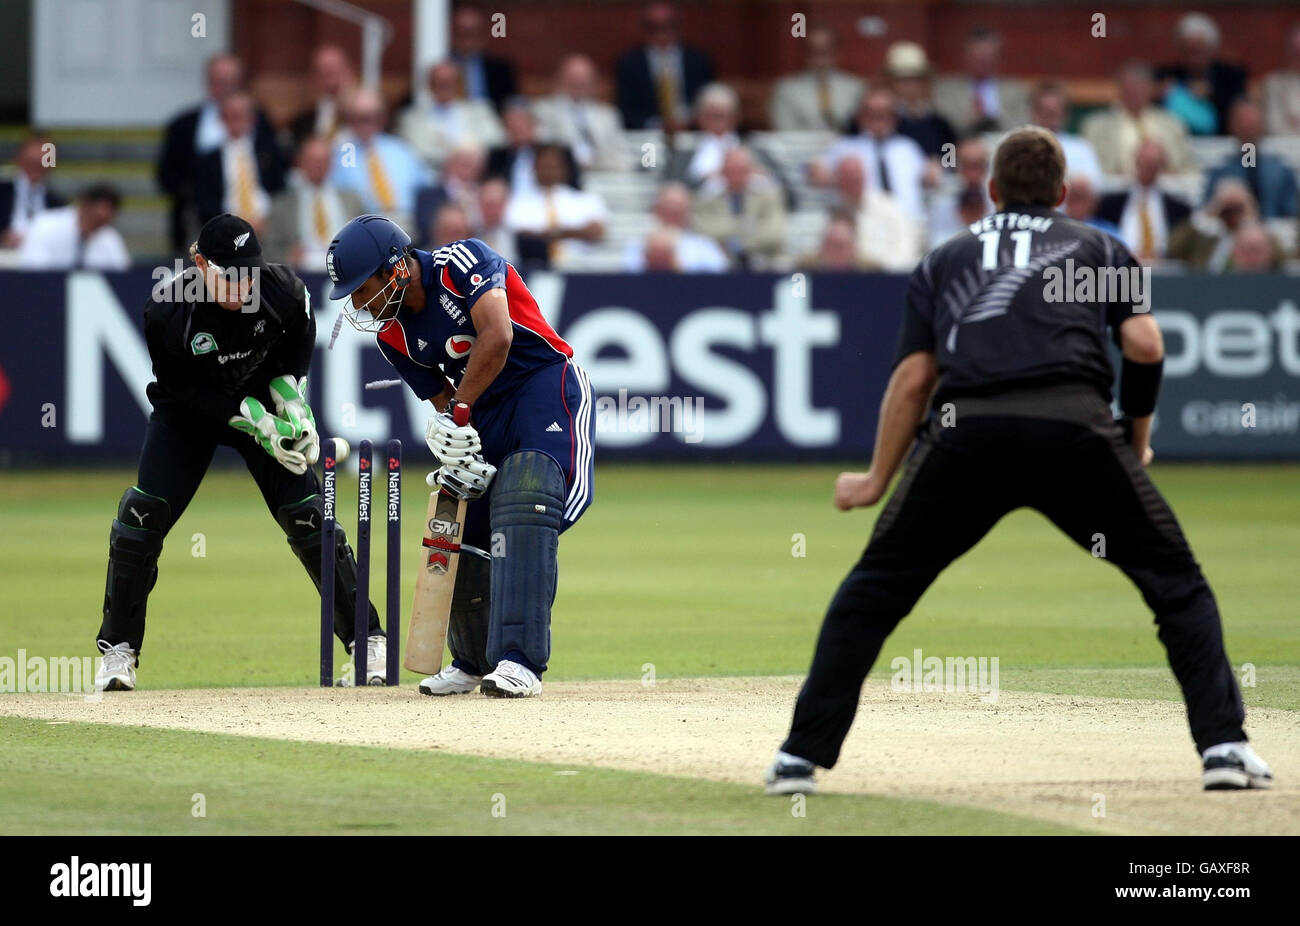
231	341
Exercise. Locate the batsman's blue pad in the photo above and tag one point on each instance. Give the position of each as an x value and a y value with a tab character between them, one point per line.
527	508
134	542
471	604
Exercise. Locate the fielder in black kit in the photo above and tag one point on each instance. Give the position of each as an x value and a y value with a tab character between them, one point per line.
1017	380
231	341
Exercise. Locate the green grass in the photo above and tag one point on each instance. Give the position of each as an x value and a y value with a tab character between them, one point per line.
267	786
689	568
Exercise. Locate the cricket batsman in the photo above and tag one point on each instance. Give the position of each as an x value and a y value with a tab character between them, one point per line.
1019	385
461	329
231	340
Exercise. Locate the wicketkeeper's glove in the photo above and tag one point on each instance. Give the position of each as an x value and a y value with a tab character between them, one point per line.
290	397
468	479
276	435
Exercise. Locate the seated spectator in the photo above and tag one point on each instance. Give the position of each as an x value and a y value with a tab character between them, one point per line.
1198	88
1116	132
1145	214
1206	241
555	223
447	121
908	71
743	210
1282	91
305	216
695	253
196	132
513	162
1081	203
484	77
1049	105
893	163
978	100
333	79
450	223
461	175
77	237
1254	251
838	250
1270	179
380	168
576	117
717	115
657	82
26	195
886	237
953	210
658	254
241	175
821	97
493	197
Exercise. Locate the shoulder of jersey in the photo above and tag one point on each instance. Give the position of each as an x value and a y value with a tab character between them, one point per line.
282	289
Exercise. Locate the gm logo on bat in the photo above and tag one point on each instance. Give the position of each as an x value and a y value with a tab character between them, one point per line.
446	528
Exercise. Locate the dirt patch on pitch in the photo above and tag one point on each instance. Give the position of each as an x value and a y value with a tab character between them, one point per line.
1058	758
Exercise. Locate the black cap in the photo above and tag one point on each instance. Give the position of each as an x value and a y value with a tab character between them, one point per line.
229	241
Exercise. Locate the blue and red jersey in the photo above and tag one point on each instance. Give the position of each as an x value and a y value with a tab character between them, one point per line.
436	342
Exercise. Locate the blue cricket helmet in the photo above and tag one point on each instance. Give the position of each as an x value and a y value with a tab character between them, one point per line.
362	248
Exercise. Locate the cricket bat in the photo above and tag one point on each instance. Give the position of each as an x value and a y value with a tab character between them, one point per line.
426	636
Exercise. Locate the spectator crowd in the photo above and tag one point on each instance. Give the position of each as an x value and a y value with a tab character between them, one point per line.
1188	165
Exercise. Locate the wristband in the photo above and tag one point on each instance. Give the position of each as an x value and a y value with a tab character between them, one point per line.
1139	387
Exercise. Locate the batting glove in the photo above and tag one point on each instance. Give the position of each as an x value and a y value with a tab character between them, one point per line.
468	479
452	442
276	435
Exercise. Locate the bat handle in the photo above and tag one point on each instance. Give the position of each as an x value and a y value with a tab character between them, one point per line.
460	414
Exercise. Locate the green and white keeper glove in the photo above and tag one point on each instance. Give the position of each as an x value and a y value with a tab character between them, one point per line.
290	397
278	436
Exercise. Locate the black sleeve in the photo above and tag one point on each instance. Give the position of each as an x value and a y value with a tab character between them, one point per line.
299	333
1139	301
165	337
917	330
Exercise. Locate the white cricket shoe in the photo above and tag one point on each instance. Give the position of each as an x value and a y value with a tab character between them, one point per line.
511	680
450	681
1234	767
116	670
790	775
376	661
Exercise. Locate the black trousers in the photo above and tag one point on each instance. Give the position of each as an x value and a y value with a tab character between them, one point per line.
958	482
178	448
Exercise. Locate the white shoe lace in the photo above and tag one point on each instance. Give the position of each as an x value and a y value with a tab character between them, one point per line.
118	657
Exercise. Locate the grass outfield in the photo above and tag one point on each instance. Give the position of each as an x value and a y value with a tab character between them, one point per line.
692	570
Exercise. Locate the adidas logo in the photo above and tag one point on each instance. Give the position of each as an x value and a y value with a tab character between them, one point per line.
422	342
555	426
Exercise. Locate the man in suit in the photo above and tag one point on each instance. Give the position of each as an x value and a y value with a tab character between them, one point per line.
1209	240
381	168
743	210
821	97
657	82
1268	177
908	70
1199	88
242	174
196	132
978	100
25	195
1115	133
447	120
333	78
717	113
485	77
304	216
1049	106
574	116
491	228
1145	214
515	161
462	173
1282	90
